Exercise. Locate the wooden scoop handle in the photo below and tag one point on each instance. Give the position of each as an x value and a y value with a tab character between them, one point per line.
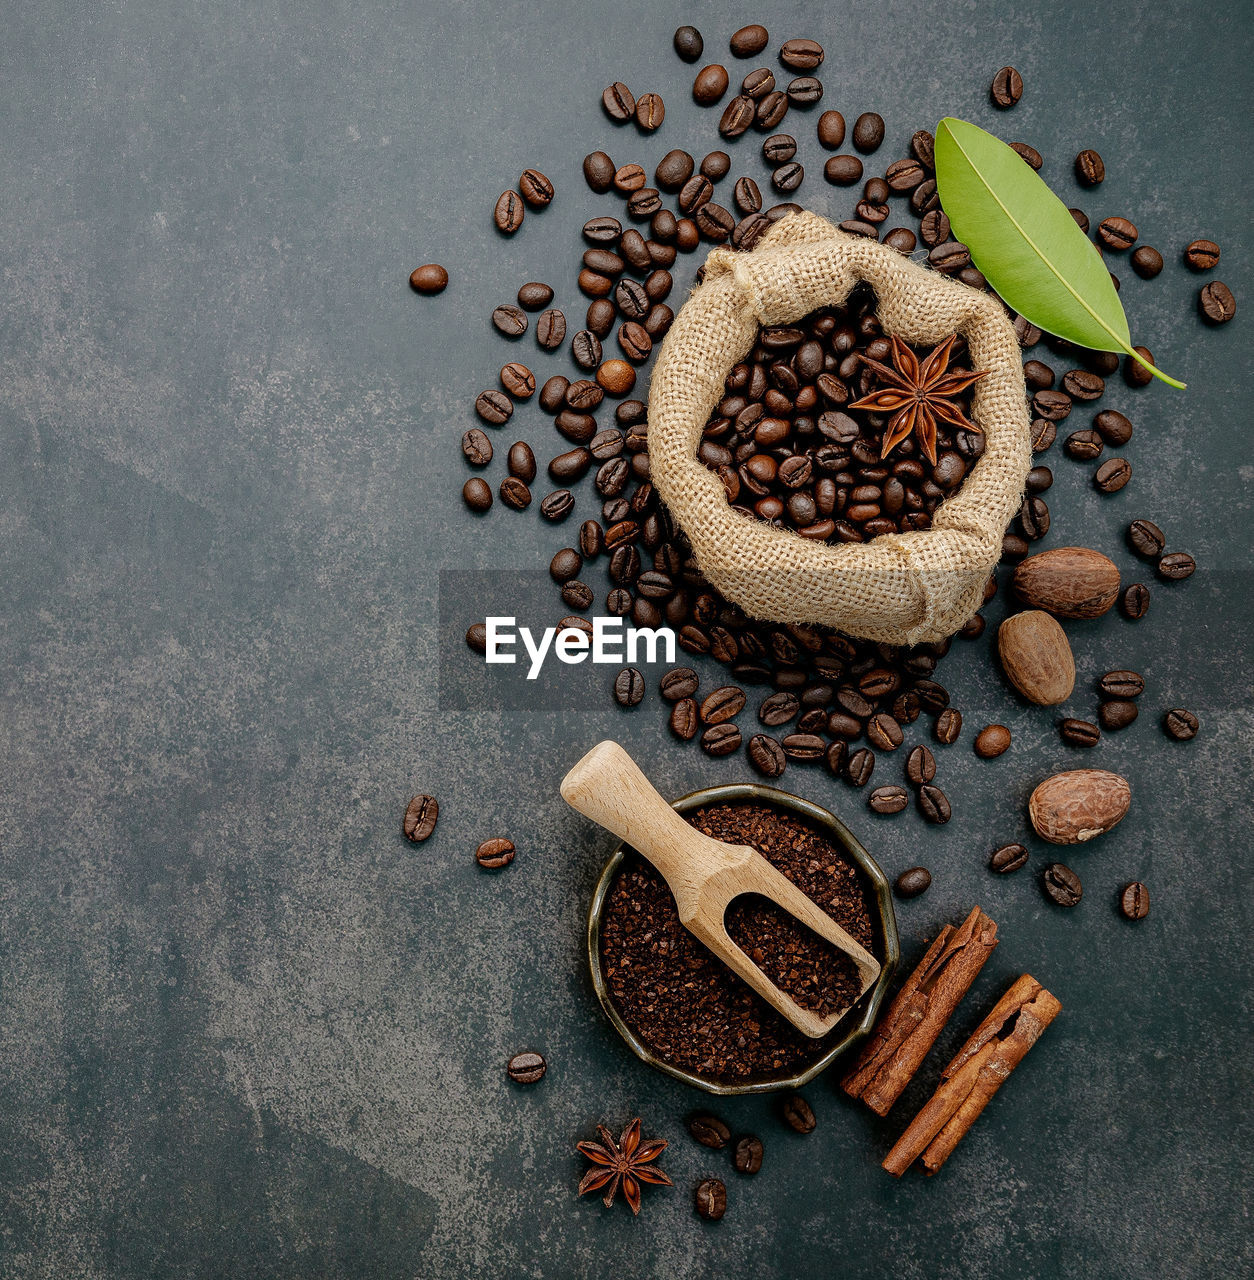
608	787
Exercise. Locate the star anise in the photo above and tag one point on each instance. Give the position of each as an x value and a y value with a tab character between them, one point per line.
628	1162
918	395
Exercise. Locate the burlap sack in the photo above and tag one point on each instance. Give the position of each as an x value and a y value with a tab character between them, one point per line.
898	588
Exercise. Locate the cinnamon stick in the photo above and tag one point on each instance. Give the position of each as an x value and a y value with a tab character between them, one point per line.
978	1070
920	1011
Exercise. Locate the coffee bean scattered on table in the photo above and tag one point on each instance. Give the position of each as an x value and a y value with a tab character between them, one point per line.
1007	88
421	815
1202	255
509	212
629	687
798	1114
1079	733
431	278
1134	901
495	853
526	1068
477	494
1061	885
747	1154
1216	303
709	1131
748	41
1008	858
933	804
1175	566
1090	169
912	882
711	1199
1116	713
888	800
688	43
992	741
536	189
1180	724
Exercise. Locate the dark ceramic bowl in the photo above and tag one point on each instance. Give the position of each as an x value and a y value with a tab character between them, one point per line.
855	1024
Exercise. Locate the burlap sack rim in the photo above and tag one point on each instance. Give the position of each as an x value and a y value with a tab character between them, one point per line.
899	588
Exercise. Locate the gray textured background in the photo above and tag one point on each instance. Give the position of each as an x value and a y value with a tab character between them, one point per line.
245	1030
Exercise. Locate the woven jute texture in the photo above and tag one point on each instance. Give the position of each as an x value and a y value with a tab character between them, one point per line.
898	588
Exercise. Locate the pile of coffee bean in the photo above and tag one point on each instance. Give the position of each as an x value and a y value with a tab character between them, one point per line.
791	453
688	1007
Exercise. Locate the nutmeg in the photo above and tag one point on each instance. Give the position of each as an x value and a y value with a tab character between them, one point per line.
1071	582
1036	657
1069	808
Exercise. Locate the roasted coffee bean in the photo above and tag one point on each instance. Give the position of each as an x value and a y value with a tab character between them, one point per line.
788	177
1135	601
843	170
933	696
797	1114
1062	886
570	466
635	342
1113	427
600	316
1134	901
677	683
747	196
509	212
884	732
1175	566
1052	405
758	83
536	189
1044	433
1089	169
924	198
715	166
801	55
709	1131
431	278
616	376
477	494
1008	858
778	709
868	132
598	171
522	462
722	704
556	506
1007	88
992	741
477	448
1037	375
831	130
770	110
1112	475
904	175
494	407
710	85
1117	233
948	725
518	380
1039	479
1216	303
920	766
933	804
902	239
888	800
551	329
577	595
526	1068
585	349
629	178
602	231
1180	724
804	747
1116	713
749	40
1034	518
912	882
720	739
495	853
628	687
737	116
673	170
715	222
509	320
1079	733
650	111
619	102
1083	446
934	228
1121	684
1029	155
950	257
1202	255
1135	374
711	1199
534	295
477	637
553	393
514	493
766	755
1147	262
860	767
1081	384
683	719
695	193
804	91
747	1154
421	815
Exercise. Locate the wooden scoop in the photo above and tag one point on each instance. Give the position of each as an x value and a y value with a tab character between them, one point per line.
704	874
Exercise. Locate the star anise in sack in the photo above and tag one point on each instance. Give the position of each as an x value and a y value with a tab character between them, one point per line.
627	1162
918	395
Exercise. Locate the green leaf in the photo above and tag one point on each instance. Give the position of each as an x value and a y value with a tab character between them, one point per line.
1027	244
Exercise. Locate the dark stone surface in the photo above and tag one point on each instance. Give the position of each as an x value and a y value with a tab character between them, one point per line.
244	1028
